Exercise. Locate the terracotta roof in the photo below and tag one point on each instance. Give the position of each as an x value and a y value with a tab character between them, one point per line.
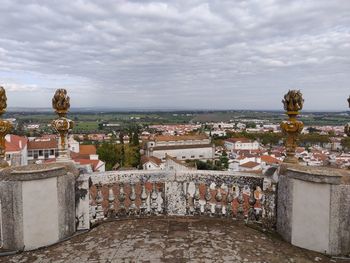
87	149
167	156
234	140
269	159
15	143
93	163
155	160
299	149
180	138
42	144
249	165
175	147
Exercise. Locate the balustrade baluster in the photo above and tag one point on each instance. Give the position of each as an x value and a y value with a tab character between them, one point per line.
218	198
121	198
132	197
99	200
240	200
92	210
229	199
188	199
163	200
144	195
154	197
111	197
196	198
252	201
207	197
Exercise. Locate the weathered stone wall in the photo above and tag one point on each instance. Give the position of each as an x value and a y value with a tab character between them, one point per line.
285	207
340	220
313	208
11	214
38	205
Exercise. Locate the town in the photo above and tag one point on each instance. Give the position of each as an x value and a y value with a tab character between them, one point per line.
185	140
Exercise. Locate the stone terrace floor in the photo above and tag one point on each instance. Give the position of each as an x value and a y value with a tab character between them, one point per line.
172	240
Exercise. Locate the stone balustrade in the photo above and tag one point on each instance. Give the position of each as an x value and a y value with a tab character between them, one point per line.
137	194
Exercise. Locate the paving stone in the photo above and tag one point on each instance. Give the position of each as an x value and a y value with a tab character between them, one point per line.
172	240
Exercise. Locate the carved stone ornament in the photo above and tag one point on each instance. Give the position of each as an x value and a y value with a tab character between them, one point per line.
62	125
61	102
293	102
5	127
347	126
3	100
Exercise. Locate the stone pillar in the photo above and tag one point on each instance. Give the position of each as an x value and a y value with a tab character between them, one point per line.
313	208
62	125
37	205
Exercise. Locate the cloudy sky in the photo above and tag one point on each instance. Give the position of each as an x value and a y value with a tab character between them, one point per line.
215	54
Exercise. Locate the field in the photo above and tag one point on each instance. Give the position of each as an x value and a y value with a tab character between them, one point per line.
94	121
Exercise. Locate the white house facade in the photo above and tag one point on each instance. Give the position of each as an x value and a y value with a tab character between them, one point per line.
241	144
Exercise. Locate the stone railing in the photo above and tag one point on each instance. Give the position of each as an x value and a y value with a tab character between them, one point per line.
137	194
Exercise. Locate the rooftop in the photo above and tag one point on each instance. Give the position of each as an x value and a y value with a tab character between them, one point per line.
43	144
181	138
172	239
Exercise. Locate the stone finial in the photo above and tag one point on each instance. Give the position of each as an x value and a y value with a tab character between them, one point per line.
5	127
293	102
347	126
62	125
3	100
61	102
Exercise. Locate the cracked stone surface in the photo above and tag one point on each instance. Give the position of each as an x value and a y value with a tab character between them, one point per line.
172	240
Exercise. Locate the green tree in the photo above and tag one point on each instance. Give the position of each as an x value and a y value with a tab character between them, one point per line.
251	125
345	143
108	154
132	156
135	139
224	160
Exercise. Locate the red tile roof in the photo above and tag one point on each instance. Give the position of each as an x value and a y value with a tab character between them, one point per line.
42	144
269	159
181	138
155	160
234	140
87	149
93	163
249	164
15	143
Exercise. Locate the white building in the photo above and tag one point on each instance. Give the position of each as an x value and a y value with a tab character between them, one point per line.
42	149
16	150
185	147
241	144
151	163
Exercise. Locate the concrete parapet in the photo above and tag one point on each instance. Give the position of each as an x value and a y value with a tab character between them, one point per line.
37	205
313	208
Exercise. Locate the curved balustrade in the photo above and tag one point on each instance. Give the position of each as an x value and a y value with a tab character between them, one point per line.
135	194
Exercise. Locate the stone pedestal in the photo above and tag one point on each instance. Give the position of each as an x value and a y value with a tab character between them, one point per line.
37	205
313	208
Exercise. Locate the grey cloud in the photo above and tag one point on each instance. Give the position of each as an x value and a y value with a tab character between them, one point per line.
204	54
